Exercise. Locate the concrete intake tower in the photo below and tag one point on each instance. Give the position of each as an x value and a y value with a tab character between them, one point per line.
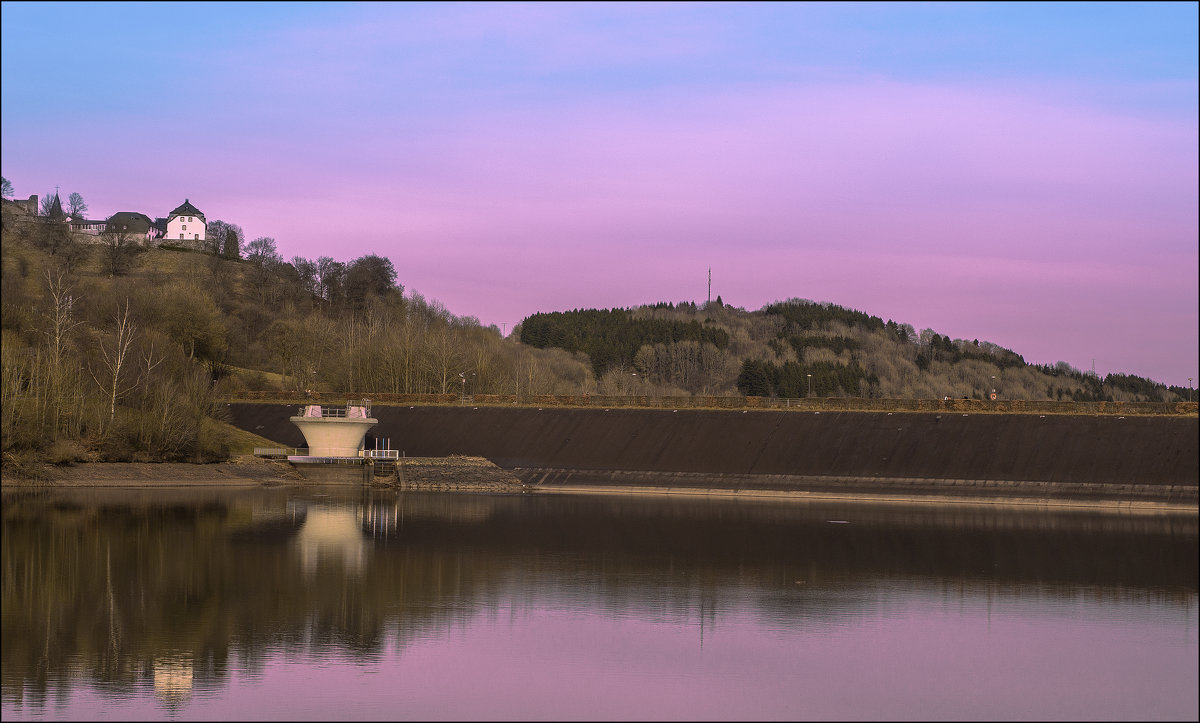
335	432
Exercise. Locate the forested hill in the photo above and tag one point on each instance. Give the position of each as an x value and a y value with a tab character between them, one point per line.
798	347
115	350
612	337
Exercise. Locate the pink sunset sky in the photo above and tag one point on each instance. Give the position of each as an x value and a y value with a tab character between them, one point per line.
1023	175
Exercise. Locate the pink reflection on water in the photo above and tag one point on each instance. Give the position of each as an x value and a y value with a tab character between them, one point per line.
892	651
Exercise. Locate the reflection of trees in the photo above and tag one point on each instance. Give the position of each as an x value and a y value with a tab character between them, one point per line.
105	589
116	588
127	592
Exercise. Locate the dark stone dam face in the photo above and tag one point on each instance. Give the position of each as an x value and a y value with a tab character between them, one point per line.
1152	458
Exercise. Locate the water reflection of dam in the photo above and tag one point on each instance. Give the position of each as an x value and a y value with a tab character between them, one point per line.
356	527
343	527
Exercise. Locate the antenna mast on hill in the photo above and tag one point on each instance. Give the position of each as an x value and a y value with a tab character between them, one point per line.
709	286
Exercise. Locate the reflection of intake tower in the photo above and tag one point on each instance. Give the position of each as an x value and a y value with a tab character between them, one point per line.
335	431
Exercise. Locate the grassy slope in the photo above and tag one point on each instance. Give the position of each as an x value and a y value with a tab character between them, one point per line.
242	442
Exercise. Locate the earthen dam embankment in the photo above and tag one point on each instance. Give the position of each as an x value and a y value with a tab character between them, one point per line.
1001	455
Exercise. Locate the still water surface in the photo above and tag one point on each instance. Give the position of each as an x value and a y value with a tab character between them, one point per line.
339	604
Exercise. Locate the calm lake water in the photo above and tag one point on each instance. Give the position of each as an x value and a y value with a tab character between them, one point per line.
329	604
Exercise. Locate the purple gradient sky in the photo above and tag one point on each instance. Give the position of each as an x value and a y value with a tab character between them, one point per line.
1024	174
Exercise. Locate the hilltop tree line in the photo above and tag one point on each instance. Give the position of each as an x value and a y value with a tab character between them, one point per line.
614	337
797	347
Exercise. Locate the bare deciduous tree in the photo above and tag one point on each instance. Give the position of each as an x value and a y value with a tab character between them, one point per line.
61	324
119	249
222	238
116	361
284	339
51	207
54	238
76	208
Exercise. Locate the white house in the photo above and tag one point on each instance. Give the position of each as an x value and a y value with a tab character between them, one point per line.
185	223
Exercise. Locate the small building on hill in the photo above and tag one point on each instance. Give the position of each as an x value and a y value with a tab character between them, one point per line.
185	223
91	228
133	223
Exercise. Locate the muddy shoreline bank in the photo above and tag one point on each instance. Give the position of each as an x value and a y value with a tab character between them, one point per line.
426	474
479	475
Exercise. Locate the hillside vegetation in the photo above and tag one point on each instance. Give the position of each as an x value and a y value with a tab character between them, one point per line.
798	348
115	351
134	362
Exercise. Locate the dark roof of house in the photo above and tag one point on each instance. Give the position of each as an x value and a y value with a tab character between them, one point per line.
186	209
129	221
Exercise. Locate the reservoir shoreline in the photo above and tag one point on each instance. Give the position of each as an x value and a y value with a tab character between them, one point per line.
478	476
1007	455
1136	462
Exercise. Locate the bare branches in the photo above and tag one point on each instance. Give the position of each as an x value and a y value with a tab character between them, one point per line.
61	316
76	208
60	328
119	249
116	361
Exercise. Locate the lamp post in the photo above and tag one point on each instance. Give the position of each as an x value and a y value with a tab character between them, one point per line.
810	385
